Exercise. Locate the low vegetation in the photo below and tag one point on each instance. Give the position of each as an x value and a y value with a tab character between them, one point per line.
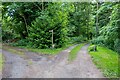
106	60
1	62
49	51
13	50
74	51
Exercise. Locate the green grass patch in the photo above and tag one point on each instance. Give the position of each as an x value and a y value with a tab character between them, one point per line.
0	45
74	51
49	51
1	62
106	60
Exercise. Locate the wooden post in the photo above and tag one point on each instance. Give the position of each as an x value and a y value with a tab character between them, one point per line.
52	38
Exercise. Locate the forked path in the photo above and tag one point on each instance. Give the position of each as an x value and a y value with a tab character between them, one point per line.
82	67
52	67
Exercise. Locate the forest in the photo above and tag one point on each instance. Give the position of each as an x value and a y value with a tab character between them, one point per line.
46	26
28	24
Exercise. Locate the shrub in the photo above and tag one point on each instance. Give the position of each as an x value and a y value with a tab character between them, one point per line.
40	34
99	40
117	45
77	39
6	35
22	42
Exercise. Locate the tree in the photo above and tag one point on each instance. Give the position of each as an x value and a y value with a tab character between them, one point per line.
109	33
55	18
80	20
22	14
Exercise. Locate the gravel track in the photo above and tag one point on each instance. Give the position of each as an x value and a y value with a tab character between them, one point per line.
33	65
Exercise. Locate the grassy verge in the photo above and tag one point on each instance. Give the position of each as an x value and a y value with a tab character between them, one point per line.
10	49
106	60
74	51
1	62
0	45
49	51
41	51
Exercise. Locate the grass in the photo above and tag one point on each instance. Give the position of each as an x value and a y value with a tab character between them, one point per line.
1	62
74	51
41	51
0	45
10	49
49	51
106	60
1	58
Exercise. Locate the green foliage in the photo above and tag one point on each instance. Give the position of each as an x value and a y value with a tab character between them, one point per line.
104	13
6	32
78	23
99	40
117	45
56	20
22	14
32	21
22	42
109	31
39	32
110	37
78	39
106	60
6	35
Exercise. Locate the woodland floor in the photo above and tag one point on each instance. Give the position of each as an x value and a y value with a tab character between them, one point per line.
33	65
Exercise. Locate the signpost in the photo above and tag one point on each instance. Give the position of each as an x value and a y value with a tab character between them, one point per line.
52	39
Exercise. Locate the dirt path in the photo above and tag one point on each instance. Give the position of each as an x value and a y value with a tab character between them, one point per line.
14	65
45	66
82	67
43	69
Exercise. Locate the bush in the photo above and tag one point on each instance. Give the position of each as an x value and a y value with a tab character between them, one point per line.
78	39
117	45
111	44
99	40
40	34
22	42
6	35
